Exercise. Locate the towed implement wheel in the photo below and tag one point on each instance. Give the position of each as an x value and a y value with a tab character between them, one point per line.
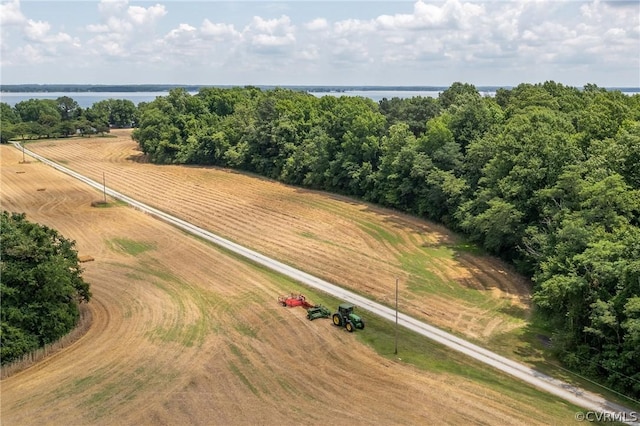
349	326
337	319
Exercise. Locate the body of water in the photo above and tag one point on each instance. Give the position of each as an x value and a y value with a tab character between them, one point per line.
87	99
378	95
84	99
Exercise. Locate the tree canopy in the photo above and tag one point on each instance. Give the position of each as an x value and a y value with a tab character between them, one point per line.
63	117
41	286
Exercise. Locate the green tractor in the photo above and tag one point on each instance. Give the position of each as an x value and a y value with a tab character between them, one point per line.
345	317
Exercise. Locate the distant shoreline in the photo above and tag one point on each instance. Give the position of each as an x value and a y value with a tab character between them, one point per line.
126	88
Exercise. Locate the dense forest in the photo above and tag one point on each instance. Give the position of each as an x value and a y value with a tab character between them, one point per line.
545	176
41	286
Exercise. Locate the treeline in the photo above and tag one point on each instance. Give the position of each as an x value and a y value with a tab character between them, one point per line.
41	286
63	117
546	176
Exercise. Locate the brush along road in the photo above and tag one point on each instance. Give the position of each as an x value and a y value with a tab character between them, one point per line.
574	395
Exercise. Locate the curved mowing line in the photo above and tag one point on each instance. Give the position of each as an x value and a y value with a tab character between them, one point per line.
542	381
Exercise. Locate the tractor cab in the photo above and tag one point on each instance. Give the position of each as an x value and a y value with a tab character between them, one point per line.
345	317
345	309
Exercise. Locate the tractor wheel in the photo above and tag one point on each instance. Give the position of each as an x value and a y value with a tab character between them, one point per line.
349	326
337	319
361	324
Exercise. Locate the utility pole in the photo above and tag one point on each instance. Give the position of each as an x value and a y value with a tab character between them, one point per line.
396	350
104	188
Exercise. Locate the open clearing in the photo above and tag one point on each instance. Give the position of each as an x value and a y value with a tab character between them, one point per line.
185	334
356	245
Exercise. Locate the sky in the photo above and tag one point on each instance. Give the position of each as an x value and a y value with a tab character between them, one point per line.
304	42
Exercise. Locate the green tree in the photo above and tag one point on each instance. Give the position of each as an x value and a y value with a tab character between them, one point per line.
357	127
69	108
602	116
114	112
41	286
440	144
398	150
67	127
415	112
85	127
472	118
8	114
9	119
457	94
34	109
42	116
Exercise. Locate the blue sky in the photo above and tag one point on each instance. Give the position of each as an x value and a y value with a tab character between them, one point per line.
305	42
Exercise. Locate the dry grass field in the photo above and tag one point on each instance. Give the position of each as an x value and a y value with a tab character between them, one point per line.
353	244
183	333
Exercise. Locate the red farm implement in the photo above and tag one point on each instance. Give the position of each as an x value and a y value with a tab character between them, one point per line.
313	311
294	300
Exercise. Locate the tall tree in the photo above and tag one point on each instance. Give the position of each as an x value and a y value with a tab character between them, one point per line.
69	108
41	286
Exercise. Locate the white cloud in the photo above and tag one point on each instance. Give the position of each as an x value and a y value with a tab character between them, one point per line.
480	41
452	14
10	13
317	24
353	27
270	35
28	55
36	30
39	32
267	40
112	7
218	31
271	26
119	17
127	32
548	31
97	28
310	53
144	16
181	30
424	16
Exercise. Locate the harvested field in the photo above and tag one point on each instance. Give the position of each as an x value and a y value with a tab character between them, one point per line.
183	333
353	244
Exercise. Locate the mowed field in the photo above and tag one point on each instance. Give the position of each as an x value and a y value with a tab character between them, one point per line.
183	333
353	244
